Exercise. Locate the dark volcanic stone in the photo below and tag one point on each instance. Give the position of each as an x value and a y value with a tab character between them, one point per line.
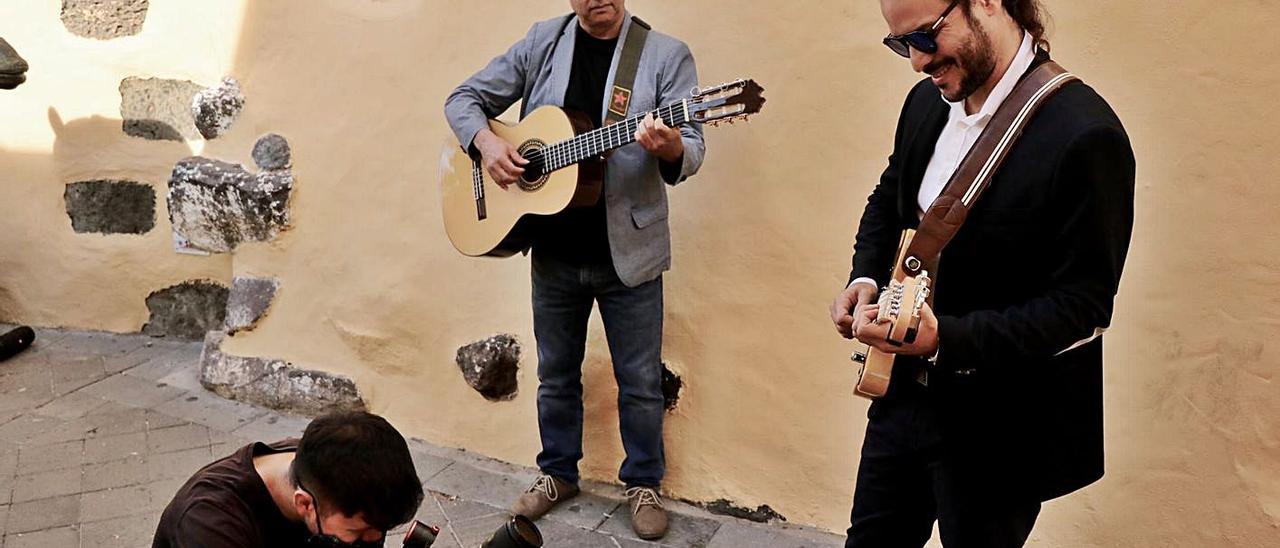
762	514
187	310
13	67
272	152
490	366
216	205
111	207
671	385
216	108
250	299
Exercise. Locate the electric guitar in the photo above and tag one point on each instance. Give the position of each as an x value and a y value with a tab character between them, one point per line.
900	304
565	169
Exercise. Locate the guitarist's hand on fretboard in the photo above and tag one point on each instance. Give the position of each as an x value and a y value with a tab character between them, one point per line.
659	139
500	159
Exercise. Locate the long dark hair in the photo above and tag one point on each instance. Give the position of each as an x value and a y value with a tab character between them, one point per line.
1028	14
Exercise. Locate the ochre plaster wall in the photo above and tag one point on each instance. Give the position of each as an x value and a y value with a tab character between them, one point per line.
64	126
372	289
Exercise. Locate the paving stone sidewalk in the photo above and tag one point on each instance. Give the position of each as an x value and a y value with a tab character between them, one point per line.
97	431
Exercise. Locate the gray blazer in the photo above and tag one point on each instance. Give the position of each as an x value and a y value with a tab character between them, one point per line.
634	194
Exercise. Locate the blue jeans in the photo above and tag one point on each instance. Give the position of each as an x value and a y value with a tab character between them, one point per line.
563	294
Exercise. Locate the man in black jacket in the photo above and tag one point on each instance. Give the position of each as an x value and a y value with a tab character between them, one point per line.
997	404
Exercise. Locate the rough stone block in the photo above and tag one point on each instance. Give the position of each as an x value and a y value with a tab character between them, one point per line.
250	299
272	152
111	207
490	366
762	513
274	383
158	109
216	205
104	19
187	310
13	68
215	109
671	385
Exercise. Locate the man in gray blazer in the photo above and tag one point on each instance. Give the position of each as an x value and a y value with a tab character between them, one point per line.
612	253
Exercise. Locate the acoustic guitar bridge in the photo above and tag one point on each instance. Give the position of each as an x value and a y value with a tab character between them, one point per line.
477	190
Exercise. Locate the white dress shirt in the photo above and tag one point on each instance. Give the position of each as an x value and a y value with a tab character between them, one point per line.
963	129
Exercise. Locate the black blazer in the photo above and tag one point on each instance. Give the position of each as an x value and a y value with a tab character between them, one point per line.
1034	269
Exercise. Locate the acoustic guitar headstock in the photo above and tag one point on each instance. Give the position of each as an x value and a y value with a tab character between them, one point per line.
728	102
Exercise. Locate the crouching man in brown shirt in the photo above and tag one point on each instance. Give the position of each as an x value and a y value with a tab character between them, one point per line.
345	483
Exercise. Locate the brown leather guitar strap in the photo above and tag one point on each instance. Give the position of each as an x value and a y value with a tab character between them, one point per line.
979	166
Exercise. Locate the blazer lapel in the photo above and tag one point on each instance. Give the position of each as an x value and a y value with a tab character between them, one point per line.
919	151
562	64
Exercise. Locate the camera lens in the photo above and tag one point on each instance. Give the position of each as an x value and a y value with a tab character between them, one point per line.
518	532
15	341
527	532
420	535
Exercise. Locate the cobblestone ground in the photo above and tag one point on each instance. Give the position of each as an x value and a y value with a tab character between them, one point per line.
98	431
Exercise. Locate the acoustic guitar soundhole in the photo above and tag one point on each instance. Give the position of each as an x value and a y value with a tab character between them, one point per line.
535	172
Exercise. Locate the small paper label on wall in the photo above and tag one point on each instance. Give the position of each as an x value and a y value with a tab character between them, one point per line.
181	245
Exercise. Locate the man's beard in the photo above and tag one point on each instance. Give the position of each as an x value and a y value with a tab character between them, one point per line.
976	59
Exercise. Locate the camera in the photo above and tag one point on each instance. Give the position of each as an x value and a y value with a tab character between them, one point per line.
517	532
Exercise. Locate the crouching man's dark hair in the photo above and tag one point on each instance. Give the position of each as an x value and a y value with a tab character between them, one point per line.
357	463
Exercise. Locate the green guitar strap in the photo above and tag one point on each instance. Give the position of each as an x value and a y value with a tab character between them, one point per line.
625	77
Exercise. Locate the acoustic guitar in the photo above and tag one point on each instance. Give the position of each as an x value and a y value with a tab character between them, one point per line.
565	169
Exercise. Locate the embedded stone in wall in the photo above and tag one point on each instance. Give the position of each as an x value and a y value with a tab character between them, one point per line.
272	152
187	310
111	207
215	109
762	513
490	366
217	205
250	298
671	385
13	68
274	383
158	109
104	19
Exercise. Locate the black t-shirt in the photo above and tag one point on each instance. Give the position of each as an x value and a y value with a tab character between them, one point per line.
579	234
227	505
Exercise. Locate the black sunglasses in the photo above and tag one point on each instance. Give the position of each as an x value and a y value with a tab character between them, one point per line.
920	40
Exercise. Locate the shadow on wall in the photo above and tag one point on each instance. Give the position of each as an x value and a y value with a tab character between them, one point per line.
110	188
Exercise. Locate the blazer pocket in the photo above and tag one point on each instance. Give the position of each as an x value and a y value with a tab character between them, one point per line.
648	214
